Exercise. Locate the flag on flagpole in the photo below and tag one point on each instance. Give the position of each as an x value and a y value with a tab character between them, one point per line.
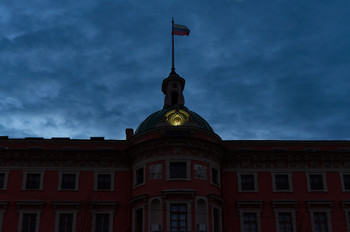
180	30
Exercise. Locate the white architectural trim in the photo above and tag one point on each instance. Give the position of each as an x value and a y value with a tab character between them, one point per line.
188	168
37	218
211	175
255	176
60	174
215	206
96	173
135	175
341	174
205	199
110	214
324	179
168	212
65	211
25	176
258	218
290	181
134	217
150	211
328	215
291	211
6	174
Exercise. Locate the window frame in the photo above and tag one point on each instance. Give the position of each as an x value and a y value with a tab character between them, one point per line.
37	219
77	177
324	181
25	179
188	169
218	176
291	211
96	174
6	173
110	214
290	182
258	220
343	181
136	184
328	216
255	176
57	218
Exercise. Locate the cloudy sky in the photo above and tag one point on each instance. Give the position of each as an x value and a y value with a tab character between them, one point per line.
272	69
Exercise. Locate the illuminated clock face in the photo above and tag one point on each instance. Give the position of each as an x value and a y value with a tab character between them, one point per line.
177	117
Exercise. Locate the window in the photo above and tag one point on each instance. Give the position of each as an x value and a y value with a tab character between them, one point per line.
215	178
65	223
347	215
247	182
103	181
139	176
178	217
138	220
285	222
69	181
178	170
102	222
282	182
216	220
316	182
33	181
320	222
3	180
346	182
250	223
29	222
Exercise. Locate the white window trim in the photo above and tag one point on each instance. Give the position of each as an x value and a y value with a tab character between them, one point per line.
220	216
104	173
188	169
255	181
258	220
324	179
290	182
37	223
134	218
135	176
6	174
77	174
189	214
111	215
342	181
211	176
150	211
57	218
328	213
25	175
291	211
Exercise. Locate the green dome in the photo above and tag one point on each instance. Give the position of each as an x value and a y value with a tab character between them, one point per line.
159	118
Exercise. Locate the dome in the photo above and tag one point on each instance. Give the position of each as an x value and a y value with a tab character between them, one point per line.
173	116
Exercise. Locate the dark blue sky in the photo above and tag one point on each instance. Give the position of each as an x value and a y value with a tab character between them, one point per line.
272	69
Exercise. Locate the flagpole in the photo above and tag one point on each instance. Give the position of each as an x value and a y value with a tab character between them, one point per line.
172	40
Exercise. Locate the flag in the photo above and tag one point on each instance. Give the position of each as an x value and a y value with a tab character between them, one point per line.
180	30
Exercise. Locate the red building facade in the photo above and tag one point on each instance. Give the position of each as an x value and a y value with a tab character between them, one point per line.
173	174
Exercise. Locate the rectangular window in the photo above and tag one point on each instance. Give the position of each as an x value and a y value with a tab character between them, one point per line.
247	182
139	220
102	222
65	223
346	182
316	182
250	223
68	181
2	180
285	222
215	179
320	222
216	220
139	178
178	170
104	181
33	181
178	217
29	221
282	182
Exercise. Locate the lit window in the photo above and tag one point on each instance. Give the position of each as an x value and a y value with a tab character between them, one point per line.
285	222
139	176
316	182
178	216
33	181
177	170
247	182
102	223
250	223
320	222
104	181
65	223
